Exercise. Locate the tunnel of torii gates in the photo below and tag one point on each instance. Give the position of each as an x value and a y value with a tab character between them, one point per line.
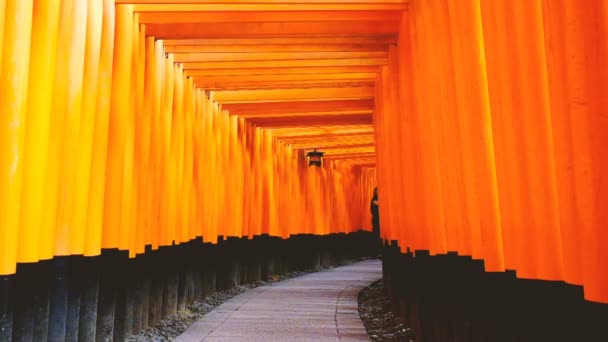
134	123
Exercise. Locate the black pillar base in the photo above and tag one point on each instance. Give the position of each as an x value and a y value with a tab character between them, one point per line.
110	297
451	298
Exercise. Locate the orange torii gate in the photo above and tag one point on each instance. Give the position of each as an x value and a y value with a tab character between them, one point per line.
142	122
124	128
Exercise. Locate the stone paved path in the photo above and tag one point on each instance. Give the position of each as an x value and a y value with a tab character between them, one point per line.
314	307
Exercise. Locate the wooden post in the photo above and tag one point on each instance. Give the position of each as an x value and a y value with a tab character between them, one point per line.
59	300
40	90
75	287
6	308
42	304
107	297
23	313
14	75
89	301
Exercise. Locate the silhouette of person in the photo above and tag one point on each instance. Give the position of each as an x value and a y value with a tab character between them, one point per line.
374	208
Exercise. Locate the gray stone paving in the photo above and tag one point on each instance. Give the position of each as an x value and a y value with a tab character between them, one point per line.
315	307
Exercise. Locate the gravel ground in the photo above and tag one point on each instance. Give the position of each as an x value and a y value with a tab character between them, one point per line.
176	324
381	324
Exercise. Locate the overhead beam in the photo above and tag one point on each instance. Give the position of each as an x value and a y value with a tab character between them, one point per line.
300	106
285	77
353	119
362	139
327	145
236	96
287	63
363	163
182	57
381	40
271	48
278	115
329	129
280	71
276	16
232	6
271	29
169	2
351	136
346	150
361	155
272	85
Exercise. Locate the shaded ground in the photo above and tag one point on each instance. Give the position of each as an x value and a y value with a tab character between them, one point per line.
176	324
381	324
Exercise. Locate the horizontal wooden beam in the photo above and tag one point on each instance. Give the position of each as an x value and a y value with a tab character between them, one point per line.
304	84
182	57
384	39
320	136
332	138
287	64
369	163
353	119
356	162
329	129
364	163
271	29
169	2
347	119
300	106
278	16
355	135
272	48
366	155
270	85
285	77
328	145
281	115
346	150
368	146
281	71
232	6
242	96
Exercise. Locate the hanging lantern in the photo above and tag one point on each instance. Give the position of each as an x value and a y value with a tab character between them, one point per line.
314	158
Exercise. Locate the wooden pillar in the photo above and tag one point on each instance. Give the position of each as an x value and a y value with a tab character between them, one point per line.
86	133
107	296
71	57
95	210
23	314
59	300
14	76
89	301
40	91
118	126
75	287
42	304
6	307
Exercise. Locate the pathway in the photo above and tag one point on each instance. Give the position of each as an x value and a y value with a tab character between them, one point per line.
315	307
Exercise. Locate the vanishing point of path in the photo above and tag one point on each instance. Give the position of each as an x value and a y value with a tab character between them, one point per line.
315	307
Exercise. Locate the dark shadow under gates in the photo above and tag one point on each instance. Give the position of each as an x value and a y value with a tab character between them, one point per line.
110	297
450	298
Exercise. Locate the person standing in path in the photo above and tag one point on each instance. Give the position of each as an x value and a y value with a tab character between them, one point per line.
374	208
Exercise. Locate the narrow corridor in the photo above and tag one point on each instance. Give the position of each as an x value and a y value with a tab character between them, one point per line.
153	150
